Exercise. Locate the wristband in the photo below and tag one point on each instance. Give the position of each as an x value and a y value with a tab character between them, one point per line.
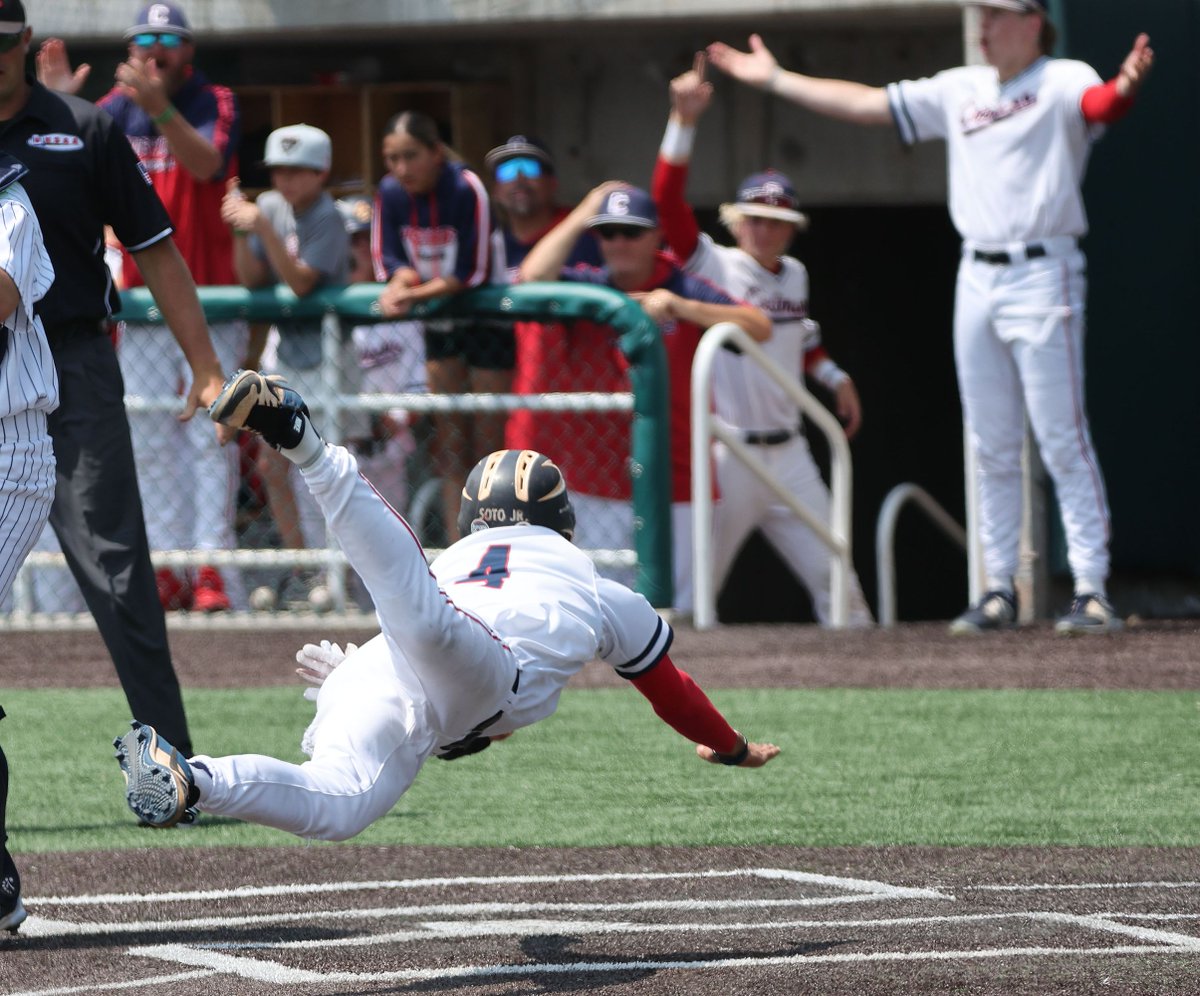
773	79
829	374
677	141
164	116
738	756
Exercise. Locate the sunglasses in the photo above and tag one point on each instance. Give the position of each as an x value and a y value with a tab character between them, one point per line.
9	42
607	232
150	39
510	169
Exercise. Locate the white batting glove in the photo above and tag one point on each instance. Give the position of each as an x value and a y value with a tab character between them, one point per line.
318	662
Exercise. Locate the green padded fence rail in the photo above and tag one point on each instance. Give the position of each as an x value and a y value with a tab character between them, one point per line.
640	341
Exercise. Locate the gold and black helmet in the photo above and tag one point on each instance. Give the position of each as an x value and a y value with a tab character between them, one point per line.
515	488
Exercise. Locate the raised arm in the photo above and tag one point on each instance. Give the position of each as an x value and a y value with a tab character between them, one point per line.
841	99
691	95
549	255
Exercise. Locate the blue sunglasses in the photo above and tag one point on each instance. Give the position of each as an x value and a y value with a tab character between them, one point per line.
149	40
510	169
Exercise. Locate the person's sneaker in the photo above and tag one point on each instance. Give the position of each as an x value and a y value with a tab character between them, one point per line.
208	595
996	610
12	913
159	786
174	594
1090	613
265	405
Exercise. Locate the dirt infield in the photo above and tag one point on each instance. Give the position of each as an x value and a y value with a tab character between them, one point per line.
633	921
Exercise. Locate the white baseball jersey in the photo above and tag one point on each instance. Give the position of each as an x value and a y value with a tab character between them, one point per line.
543	597
743	395
1016	150
30	382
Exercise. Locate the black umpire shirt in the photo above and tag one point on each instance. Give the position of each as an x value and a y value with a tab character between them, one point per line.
83	175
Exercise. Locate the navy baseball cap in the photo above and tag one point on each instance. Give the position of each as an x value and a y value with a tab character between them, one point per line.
770	194
162	19
627	206
12	17
517	147
356	212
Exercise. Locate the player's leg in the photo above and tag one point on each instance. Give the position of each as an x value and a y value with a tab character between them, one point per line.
1048	346
370	738
805	554
742	505
12	912
97	515
26	488
994	412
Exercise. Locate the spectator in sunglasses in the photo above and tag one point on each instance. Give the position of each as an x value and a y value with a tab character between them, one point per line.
625	221
185	131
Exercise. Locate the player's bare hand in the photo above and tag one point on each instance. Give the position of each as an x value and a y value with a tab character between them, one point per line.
659	304
203	393
141	81
757	756
1136	67
755	67
237	211
849	407
395	301
54	68
594	199
691	93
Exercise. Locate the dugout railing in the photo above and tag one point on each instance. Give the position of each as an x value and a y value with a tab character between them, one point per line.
835	534
639	341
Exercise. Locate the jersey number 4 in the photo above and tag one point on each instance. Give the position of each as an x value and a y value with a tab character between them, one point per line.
492	569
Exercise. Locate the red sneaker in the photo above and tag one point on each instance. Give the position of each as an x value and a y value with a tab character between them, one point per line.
173	593
210	591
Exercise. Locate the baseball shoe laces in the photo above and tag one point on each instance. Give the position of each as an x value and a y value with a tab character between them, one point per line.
159	787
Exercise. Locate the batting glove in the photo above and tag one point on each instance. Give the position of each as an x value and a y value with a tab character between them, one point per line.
318	662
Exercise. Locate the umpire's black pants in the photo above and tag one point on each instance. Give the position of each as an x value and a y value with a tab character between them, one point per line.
97	515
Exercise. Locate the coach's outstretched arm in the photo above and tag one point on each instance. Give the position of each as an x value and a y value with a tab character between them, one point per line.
843	99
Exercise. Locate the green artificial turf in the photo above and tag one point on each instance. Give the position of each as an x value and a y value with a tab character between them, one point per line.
859	767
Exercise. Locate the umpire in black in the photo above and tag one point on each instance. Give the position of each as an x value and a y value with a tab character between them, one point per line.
82	176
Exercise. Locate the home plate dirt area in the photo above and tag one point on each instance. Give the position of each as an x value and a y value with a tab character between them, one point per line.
351	919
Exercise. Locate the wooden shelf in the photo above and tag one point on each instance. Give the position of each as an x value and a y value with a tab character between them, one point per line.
473	117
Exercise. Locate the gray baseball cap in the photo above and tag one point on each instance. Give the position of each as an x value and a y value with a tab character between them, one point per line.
298	145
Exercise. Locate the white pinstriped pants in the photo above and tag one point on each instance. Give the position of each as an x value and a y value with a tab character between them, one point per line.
26	489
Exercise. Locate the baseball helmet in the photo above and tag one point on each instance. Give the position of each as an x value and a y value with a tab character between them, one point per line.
516	488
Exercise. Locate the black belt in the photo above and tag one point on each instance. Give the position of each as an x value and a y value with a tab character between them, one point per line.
773	438
75	328
1034	250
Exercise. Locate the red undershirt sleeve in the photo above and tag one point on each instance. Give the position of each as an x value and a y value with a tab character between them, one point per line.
1101	104
682	705
679	227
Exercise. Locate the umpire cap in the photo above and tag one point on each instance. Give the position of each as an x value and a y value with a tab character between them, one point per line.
516	488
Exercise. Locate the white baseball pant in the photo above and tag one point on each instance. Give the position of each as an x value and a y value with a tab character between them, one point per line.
748	504
1018	343
432	674
26	488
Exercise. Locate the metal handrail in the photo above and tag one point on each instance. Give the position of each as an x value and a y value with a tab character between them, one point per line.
885	536
835	534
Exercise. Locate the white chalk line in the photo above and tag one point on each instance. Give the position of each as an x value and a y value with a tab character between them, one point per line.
273	972
98	987
1078	886
314	888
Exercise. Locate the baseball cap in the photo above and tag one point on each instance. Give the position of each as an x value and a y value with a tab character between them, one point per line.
12	17
298	145
770	194
1020	6
626	206
517	146
160	18
356	212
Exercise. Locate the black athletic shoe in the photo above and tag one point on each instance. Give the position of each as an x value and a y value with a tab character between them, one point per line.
266	405
12	913
996	610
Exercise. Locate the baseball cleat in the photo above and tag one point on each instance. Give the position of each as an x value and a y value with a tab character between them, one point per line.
12	912
266	405
1090	613
996	610
159	786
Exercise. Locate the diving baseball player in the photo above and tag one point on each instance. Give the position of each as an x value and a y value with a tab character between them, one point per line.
1018	132
764	220
473	647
